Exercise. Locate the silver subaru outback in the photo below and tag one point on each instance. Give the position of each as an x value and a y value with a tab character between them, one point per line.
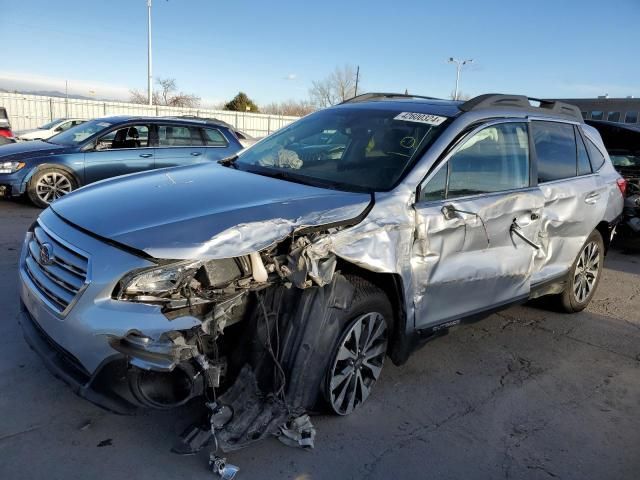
279	279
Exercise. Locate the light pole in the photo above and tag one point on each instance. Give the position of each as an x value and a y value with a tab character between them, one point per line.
149	71
459	65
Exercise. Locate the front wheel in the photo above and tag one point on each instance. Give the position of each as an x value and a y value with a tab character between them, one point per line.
585	275
48	185
359	353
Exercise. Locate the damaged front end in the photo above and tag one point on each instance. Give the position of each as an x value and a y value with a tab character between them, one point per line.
266	322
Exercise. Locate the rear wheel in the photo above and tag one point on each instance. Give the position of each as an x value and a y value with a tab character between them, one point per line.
359	353
48	185
585	275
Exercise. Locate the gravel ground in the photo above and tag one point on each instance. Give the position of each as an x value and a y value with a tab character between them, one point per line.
526	393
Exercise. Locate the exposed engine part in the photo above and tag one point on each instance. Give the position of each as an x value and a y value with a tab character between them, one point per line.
298	432
220	466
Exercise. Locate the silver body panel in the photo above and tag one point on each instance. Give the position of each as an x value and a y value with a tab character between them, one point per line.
447	267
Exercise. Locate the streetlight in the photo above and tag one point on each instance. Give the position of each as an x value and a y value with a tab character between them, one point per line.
459	65
150	75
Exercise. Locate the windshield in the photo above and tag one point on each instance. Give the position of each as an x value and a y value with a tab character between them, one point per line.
51	124
78	134
348	148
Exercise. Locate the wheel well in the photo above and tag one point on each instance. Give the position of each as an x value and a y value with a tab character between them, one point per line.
605	230
64	168
392	285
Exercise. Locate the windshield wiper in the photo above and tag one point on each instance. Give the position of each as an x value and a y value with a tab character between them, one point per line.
229	161
305	180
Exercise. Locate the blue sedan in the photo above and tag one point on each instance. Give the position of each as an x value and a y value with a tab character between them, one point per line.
109	147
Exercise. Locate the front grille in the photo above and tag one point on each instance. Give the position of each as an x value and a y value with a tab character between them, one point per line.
62	278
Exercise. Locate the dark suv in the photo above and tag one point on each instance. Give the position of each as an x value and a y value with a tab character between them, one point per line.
108	147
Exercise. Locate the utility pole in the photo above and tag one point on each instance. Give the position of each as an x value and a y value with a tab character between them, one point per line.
149	70
459	65
357	78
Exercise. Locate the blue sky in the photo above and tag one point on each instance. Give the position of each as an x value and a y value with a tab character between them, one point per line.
273	50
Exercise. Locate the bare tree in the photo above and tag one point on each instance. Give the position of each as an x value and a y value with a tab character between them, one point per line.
167	95
339	86
296	108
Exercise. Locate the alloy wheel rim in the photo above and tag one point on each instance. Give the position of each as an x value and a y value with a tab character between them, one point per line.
358	362
586	272
52	186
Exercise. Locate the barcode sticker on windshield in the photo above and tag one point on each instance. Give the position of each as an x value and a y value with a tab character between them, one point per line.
427	118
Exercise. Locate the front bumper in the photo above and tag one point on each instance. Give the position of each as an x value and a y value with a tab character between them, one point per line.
106	387
13	184
75	345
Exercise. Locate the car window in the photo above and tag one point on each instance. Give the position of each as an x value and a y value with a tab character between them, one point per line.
584	165
214	138
64	126
435	189
597	115
613	117
595	155
555	145
78	134
494	159
179	136
131	136
631	117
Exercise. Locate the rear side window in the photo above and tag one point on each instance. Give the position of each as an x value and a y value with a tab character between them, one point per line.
179	136
214	138
555	145
584	166
596	156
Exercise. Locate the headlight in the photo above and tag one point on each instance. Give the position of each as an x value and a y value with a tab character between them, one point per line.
159	282
11	167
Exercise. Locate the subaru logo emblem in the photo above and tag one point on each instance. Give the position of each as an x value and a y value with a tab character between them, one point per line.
46	254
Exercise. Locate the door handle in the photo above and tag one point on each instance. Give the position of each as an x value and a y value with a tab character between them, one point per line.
592	198
146	155
196	154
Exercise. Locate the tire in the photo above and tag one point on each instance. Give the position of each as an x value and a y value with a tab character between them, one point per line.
49	184
354	369
584	276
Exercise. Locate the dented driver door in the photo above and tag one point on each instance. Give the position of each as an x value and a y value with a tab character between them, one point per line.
477	224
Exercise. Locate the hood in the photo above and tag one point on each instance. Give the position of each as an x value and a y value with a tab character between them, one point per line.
29	133
24	150
203	211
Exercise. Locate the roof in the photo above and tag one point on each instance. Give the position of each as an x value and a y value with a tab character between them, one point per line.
396	102
492	103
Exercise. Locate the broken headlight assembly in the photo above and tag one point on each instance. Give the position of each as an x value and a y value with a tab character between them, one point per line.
183	283
157	284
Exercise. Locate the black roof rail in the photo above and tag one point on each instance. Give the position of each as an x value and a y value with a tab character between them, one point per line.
365	97
521	102
210	120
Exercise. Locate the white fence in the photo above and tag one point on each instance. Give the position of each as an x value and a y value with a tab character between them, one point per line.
30	111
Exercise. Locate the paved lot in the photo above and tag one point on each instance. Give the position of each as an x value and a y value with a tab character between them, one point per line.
526	393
